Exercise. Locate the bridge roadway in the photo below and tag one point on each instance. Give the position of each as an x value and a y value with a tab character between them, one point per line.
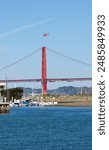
48	80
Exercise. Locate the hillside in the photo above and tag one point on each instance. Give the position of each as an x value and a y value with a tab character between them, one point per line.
62	90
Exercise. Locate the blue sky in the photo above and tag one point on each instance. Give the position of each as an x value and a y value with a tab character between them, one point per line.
22	24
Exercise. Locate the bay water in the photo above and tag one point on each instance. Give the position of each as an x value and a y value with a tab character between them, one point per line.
46	128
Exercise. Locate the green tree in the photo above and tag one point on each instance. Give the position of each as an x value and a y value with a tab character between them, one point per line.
16	93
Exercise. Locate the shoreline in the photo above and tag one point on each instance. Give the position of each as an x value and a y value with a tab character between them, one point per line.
76	104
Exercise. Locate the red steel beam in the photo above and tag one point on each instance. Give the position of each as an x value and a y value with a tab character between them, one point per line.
44	71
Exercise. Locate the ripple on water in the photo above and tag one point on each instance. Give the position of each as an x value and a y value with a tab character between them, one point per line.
47	128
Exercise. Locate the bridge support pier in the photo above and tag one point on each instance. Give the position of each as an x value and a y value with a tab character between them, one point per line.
44	71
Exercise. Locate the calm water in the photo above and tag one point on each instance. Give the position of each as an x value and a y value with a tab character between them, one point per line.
47	128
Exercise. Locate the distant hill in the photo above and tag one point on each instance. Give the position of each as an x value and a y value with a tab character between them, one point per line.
62	90
71	90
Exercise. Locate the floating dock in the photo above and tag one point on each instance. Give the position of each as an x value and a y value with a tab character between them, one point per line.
4	107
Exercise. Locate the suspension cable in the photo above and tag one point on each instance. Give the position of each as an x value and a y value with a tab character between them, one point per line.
68	57
52	50
19	60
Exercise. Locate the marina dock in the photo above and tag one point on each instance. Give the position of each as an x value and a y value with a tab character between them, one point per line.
4	107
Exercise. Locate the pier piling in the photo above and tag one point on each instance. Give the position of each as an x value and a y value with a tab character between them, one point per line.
4	107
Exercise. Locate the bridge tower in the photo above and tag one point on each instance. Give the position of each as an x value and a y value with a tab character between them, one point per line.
44	71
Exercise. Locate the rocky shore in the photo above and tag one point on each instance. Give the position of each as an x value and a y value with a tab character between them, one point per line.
68	100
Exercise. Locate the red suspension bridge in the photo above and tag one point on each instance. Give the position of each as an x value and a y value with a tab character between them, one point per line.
44	80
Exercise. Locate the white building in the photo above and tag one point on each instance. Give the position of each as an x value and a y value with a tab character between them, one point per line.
2	85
